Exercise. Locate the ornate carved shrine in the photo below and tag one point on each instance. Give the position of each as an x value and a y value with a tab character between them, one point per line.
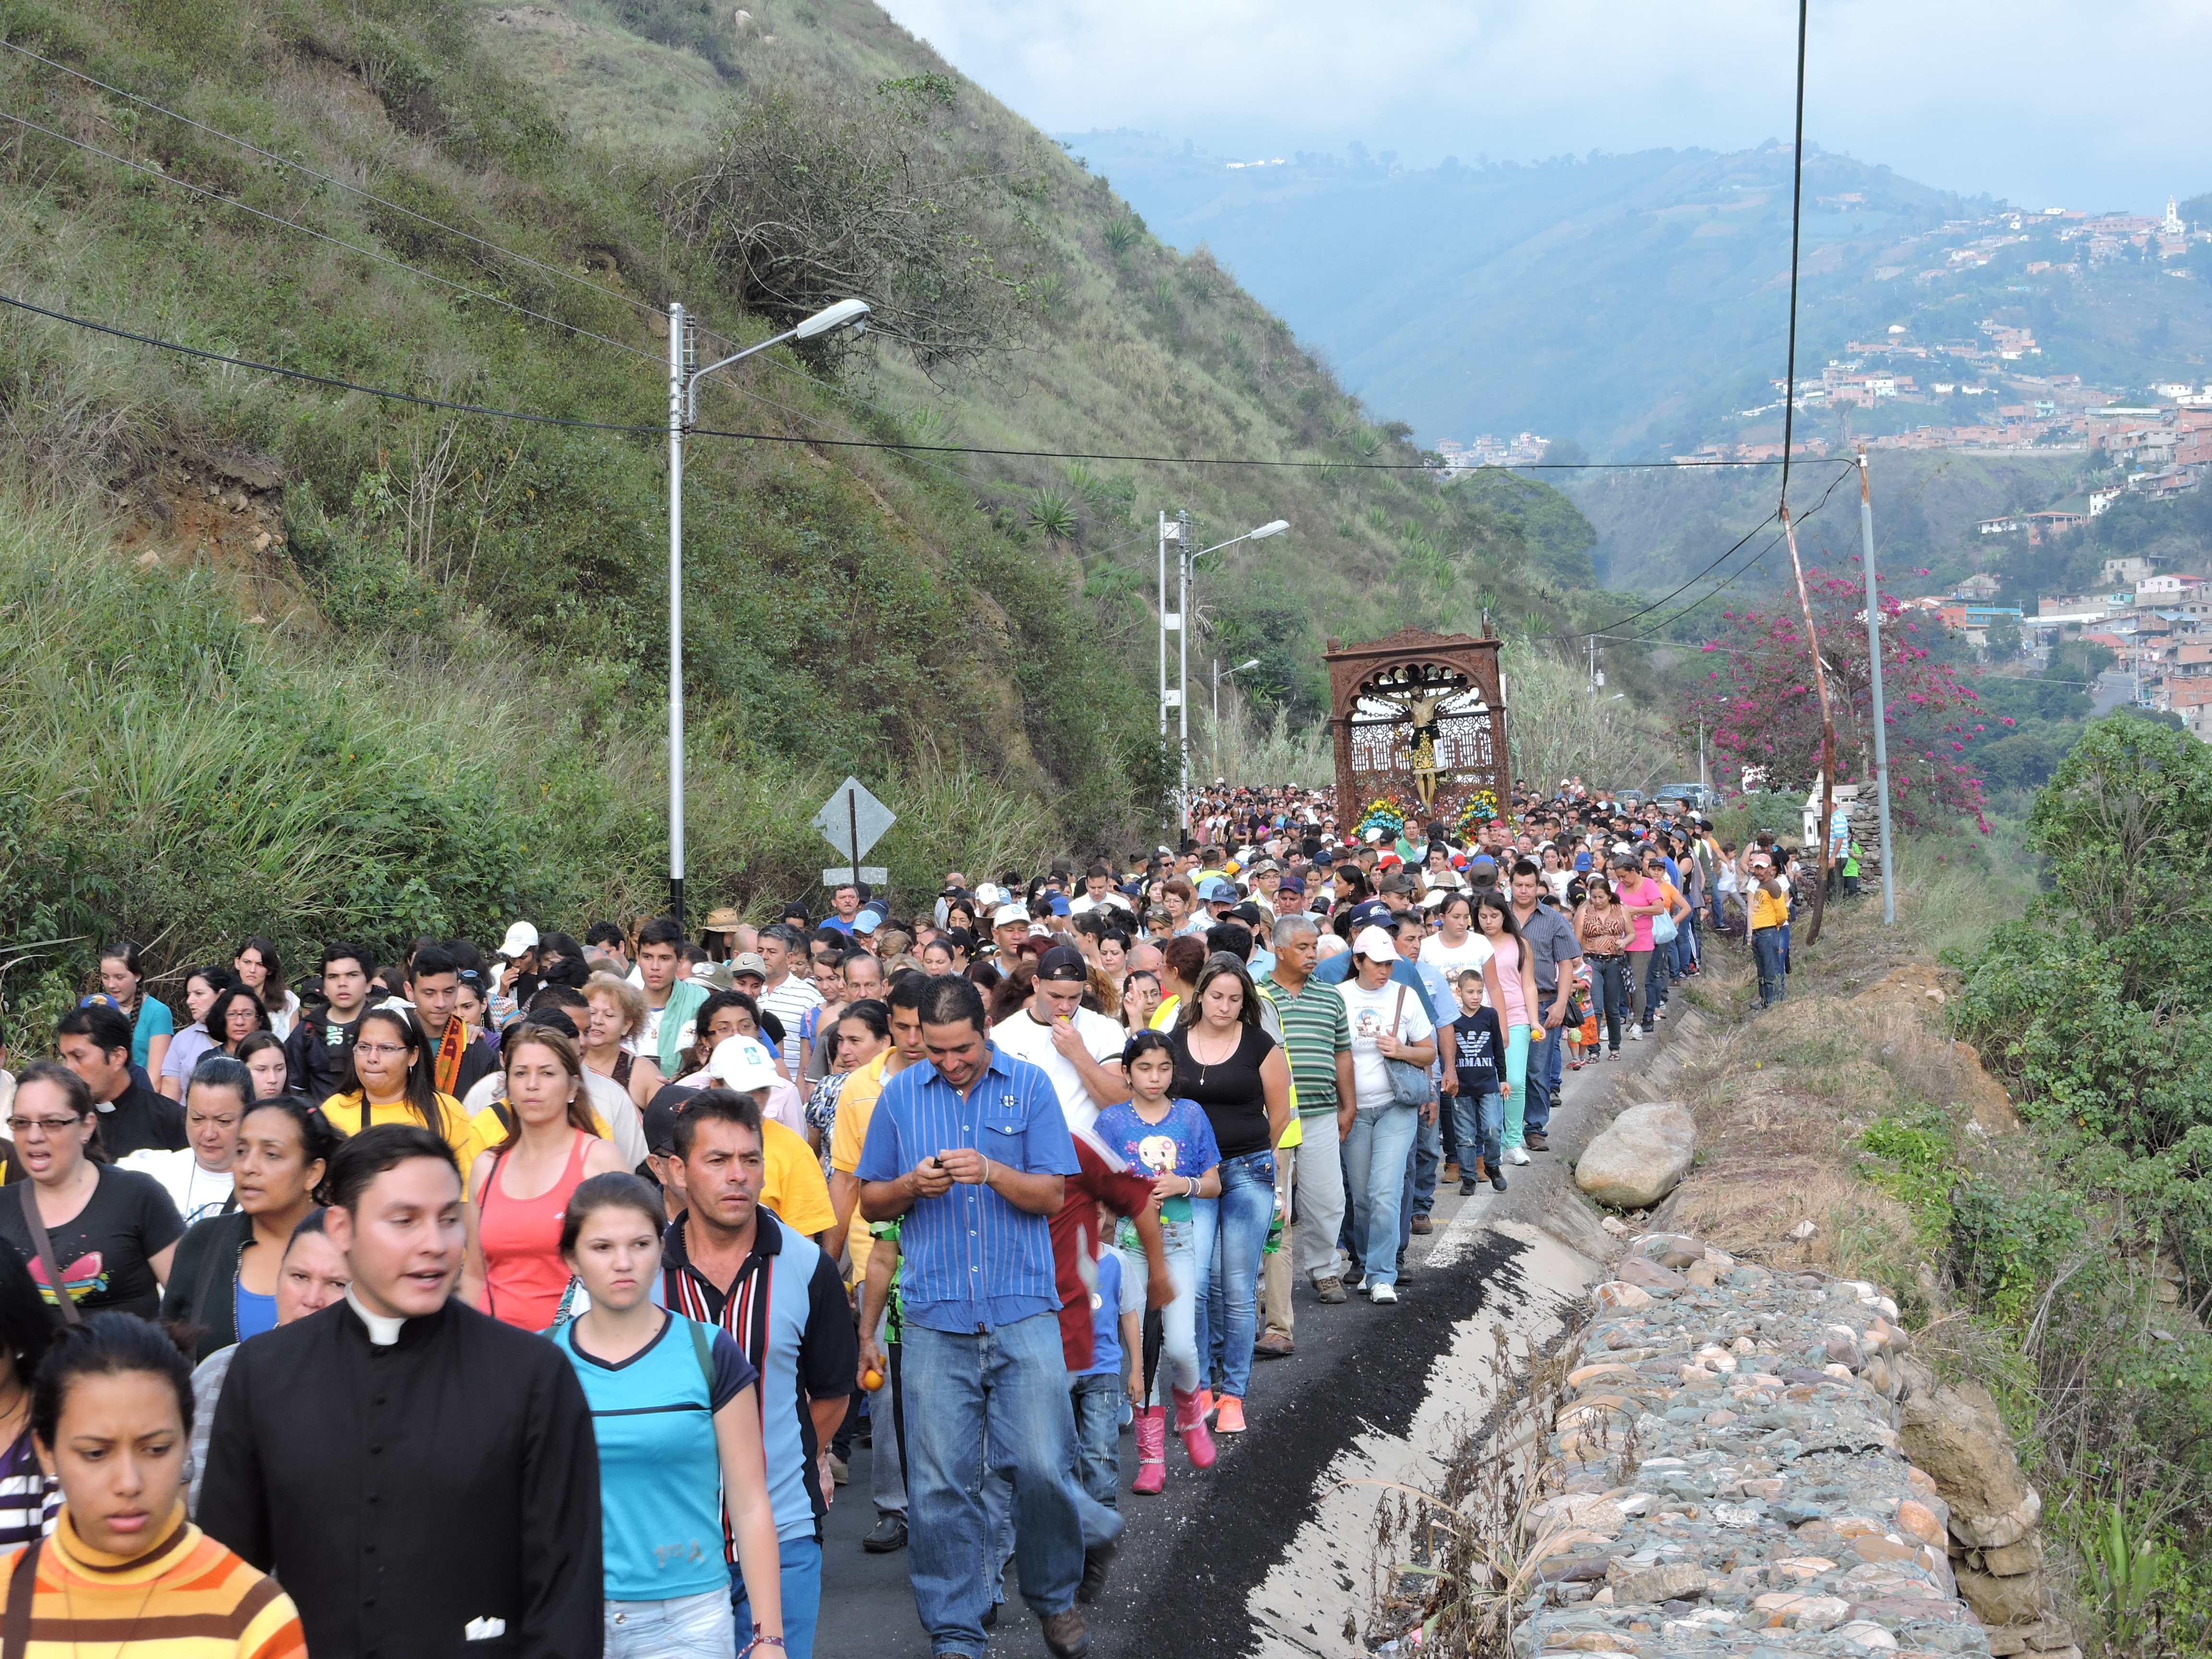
1418	717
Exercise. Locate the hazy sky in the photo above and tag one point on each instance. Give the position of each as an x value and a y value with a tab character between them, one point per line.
2047	102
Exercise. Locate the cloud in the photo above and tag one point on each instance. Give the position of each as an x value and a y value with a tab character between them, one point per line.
2033	99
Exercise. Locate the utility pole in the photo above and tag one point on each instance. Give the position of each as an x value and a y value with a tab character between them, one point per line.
1182	658
1827	727
680	347
1880	731
1596	679
1218	676
1167	621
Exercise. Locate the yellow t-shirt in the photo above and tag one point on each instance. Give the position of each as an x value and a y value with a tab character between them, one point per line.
1767	909
462	1134
1163	1016
856	1104
791	1187
491	1130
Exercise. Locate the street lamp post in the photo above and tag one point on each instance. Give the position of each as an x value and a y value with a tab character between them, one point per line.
1189	559
1218	676
683	415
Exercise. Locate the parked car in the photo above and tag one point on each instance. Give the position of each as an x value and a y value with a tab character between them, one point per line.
1693	796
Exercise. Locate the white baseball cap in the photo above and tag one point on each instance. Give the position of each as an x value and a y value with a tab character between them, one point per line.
1375	945
989	893
520	937
742	1064
1008	915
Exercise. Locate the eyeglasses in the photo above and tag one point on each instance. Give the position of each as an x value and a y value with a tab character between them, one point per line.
42	1125
378	1050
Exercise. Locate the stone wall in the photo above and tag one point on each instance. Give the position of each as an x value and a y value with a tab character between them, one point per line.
1743	1452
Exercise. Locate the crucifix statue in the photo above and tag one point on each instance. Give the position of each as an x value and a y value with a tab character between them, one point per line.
1419	709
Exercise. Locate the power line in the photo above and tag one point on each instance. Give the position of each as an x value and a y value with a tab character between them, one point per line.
322	236
325	178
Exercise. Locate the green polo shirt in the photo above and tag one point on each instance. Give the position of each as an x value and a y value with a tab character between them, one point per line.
1315	1030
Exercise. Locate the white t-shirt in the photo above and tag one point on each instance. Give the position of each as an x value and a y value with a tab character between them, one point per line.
199	1193
1369	1013
1456	959
1021	1036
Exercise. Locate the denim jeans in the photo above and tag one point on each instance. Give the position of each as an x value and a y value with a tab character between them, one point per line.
1640	1007
1229	1233
1766	949
1428	1158
1097	1403
1609	989
681	1627
1655	984
1540	1086
1374	1156
1178	1363
1480	1123
975	1403
1516	1073
801	1561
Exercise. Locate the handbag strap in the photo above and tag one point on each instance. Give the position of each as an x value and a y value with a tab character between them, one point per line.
1398	1015
44	1246
22	1590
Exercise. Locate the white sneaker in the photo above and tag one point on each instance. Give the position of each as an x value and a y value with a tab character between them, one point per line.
1515	1155
1383	1293
1635	1034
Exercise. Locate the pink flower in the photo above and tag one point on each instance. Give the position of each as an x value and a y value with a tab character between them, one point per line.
2006	719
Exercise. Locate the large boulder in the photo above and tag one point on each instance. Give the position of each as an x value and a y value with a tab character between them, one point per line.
1641	1158
1955	1435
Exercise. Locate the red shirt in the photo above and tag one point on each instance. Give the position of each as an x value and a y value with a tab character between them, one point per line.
1102	1179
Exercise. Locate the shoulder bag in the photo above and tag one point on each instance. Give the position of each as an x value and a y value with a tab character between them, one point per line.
45	1247
1409	1083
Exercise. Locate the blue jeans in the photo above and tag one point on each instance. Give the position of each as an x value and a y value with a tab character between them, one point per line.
1178	1361
990	1400
1655	984
1228	1234
1097	1403
1609	991
801	1561
1480	1125
681	1627
1541	1084
1428	1158
1375	1155
1768	948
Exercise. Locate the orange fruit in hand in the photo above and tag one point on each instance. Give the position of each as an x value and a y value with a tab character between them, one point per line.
872	1379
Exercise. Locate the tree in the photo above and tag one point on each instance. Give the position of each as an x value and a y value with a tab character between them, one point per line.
2005	641
1760	709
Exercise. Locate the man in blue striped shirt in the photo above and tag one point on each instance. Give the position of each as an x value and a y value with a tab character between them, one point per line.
971	1148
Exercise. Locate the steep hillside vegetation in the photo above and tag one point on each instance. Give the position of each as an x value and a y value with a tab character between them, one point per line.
443	201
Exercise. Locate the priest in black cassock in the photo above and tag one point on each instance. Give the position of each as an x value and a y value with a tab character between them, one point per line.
422	1480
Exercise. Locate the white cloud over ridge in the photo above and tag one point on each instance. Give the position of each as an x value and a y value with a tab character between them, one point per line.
2046	102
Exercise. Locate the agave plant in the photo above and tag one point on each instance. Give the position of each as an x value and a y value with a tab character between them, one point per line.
1121	235
1052	512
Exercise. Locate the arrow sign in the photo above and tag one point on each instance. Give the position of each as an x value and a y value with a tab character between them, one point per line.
852	820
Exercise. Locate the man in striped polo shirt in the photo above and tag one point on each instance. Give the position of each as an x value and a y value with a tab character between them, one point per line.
1318	1035
971	1149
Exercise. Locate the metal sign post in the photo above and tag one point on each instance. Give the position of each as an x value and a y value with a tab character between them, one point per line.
851	821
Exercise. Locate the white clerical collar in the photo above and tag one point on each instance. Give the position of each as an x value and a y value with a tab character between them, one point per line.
383	1328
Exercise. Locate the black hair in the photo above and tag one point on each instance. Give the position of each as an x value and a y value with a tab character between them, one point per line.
1143	1042
218	977
551	1018
1491	899
316	1221
907	989
872	1012
949	1000
320	1139
559	994
422	1091
1528	867
256	1041
467	959
106	1344
1232	939
704	1016
429	961
126	952
569	973
360	1158
1407	921
1218	966
101	1024
662	930
217	1070
218	1014
714	1106
346	951
558	945
264	947
604	933
617	1190
26	1325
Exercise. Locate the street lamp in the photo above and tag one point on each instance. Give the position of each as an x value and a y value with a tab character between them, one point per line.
1182	625
1218	676
683	414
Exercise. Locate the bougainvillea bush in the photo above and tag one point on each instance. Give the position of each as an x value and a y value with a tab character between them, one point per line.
1760	709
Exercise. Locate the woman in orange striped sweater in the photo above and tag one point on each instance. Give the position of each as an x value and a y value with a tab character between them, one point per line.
111	1415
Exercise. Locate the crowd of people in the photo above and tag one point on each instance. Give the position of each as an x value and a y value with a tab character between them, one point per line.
992	1180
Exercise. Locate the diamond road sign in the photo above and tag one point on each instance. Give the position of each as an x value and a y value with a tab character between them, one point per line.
853	814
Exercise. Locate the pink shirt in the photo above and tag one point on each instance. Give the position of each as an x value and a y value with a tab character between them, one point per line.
1506	954
1646	891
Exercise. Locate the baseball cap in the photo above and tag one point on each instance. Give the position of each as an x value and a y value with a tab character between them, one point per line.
520	937
1374	944
1064	961
1482	861
989	893
1294	884
749	961
1008	915
742	1064
1367	910
868	919
1218	889
1247	912
1267	867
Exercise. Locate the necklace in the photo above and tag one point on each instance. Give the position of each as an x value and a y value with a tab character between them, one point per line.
69	1605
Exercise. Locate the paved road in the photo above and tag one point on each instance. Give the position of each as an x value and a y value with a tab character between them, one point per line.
2113	688
1191	1557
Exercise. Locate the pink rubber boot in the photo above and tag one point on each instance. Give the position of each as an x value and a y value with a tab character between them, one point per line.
1151	1427
1190	1424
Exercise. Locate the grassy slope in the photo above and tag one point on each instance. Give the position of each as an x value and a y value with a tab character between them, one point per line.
847	609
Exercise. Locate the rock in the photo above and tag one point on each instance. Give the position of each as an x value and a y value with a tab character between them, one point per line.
1701	1274
1868	1637
1964	1449
1641	1158
2015	1601
1804	1230
1921	1522
1614	1294
1641	1271
1677	1581
2009	1560
1801	1610
1615	1226
1676	1250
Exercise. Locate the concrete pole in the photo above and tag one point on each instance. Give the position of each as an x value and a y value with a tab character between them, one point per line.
1183	664
676	389
1881	730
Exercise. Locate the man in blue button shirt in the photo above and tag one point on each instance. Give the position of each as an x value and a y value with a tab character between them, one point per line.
971	1148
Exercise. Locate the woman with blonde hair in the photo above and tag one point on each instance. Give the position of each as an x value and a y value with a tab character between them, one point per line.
522	1186
617	1015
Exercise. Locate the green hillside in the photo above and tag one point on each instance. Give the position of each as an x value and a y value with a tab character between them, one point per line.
459	623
